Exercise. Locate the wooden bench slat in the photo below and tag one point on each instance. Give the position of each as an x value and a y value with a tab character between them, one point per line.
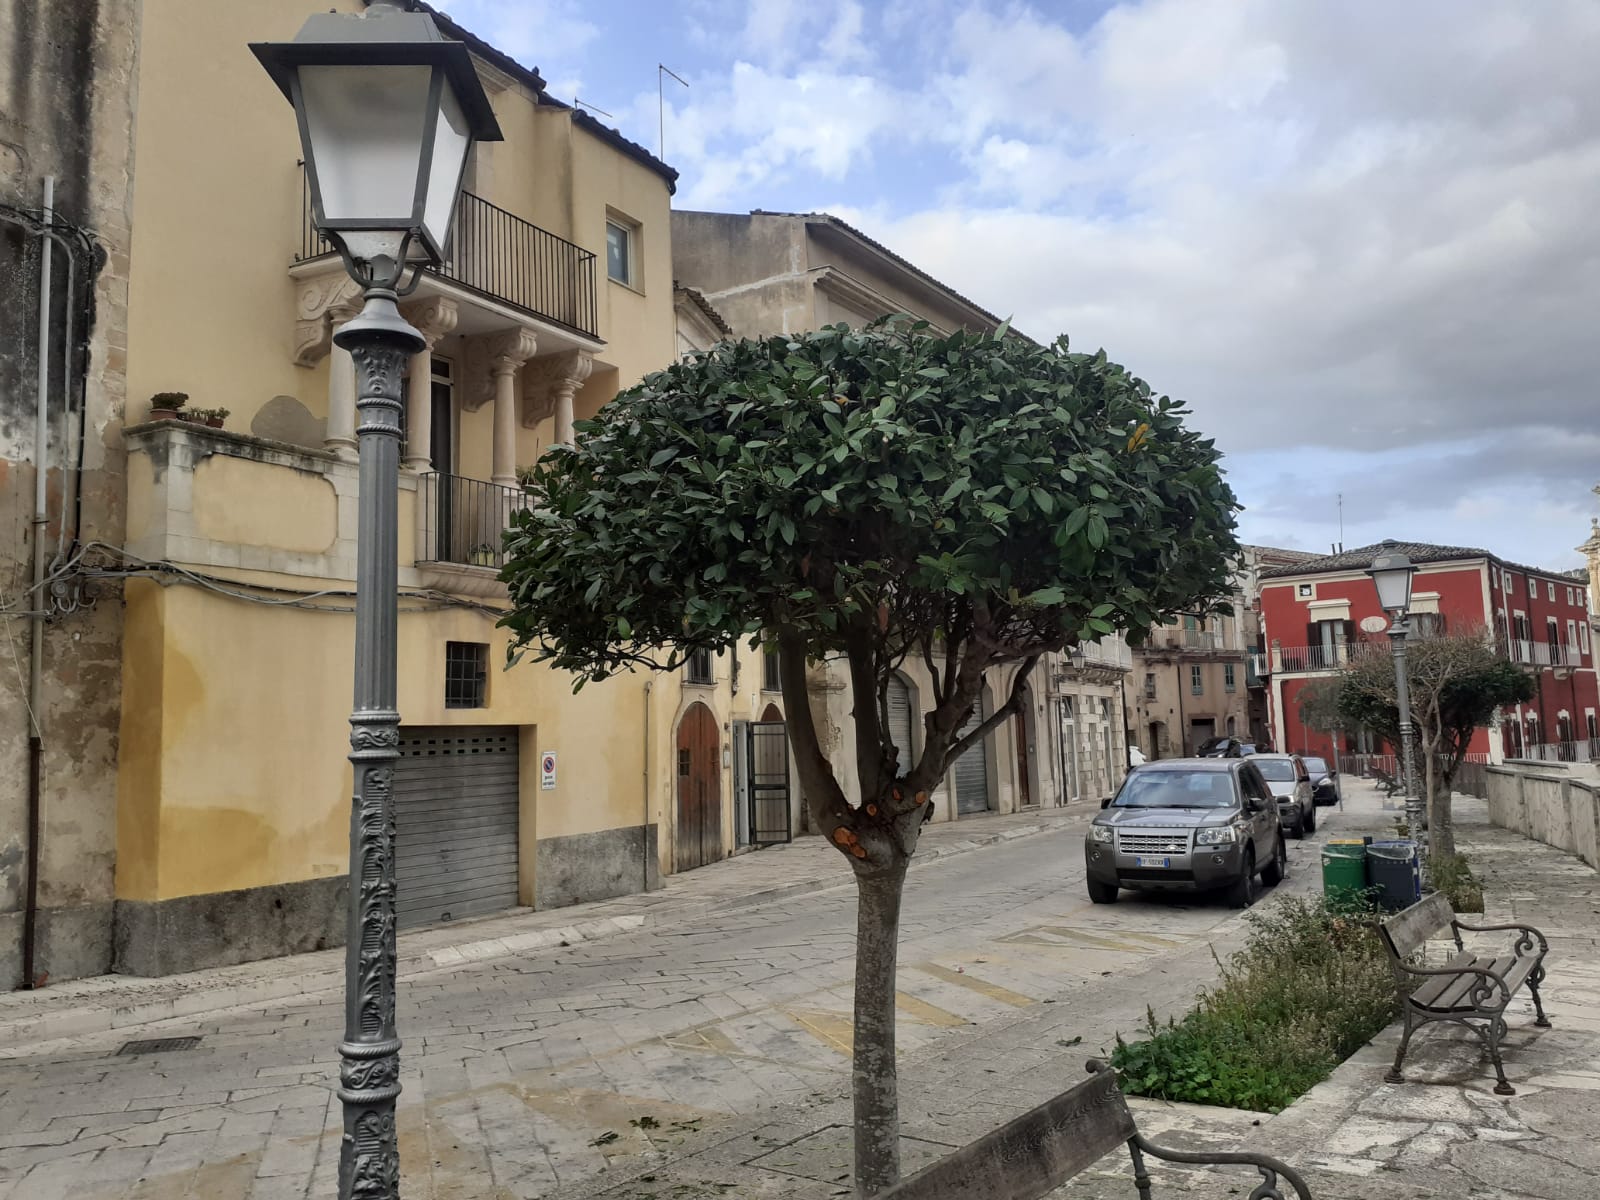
1032	1155
1409	930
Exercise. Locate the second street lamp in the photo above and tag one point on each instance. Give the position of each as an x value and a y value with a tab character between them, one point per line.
388	111
1392	573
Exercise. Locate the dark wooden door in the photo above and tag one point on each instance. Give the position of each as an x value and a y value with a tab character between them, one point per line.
1024	784
699	834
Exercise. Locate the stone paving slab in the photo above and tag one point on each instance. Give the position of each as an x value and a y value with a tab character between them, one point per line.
77	1008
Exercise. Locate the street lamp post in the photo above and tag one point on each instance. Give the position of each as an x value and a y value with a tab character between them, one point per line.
1392	573
388	111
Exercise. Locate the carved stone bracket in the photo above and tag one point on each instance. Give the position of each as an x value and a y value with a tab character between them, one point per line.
548	380
433	317
478	358
321	303
511	347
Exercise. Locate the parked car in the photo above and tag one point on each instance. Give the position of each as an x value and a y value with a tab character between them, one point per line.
1222	747
1324	781
1290	782
1197	824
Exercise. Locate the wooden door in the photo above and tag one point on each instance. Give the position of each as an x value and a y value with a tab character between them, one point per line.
1024	789
699	832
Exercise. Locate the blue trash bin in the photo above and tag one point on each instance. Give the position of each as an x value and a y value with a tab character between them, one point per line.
1394	869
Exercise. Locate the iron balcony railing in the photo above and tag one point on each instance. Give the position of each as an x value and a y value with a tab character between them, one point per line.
1544	654
500	256
1315	658
463	520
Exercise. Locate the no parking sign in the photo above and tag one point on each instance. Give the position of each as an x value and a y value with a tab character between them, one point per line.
547	771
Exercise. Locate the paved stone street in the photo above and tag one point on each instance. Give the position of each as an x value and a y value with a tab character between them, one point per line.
709	1057
531	1073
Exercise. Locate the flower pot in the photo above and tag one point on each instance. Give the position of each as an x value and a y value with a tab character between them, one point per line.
214	422
163	414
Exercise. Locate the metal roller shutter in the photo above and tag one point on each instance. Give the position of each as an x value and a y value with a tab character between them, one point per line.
456	823
972	770
900	721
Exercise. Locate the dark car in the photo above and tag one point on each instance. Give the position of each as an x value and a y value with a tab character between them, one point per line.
1222	747
1324	781
1191	823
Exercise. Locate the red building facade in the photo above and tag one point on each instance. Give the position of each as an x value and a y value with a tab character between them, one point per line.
1318	614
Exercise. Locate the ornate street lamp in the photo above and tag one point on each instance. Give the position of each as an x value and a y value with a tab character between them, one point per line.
388	112
1392	573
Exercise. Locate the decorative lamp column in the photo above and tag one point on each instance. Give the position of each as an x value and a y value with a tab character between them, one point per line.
388	111
1392	573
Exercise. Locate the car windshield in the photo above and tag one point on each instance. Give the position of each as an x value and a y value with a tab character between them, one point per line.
1176	789
1277	770
1317	766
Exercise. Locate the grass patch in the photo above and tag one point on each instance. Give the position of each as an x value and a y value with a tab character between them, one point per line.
1452	875
1310	987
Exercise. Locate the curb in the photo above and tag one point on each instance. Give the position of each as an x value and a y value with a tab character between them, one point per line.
32	1033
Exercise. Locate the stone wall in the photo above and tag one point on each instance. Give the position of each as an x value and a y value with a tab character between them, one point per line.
1548	806
67	71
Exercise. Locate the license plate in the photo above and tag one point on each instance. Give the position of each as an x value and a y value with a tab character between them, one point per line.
1142	861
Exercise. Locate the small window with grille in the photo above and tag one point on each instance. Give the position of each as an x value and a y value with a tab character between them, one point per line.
466	674
771	681
700	667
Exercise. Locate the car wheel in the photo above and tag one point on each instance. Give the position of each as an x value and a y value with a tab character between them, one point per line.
1102	893
1243	892
1308	822
1273	873
1298	828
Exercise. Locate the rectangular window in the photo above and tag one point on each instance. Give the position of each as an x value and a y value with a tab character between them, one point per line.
1550	591
1197	681
1572	638
466	674
620	250
1533	587
700	670
1505	579
1569	597
1494	581
1427	625
1149	686
1583	637
1229	683
1589	725
771	681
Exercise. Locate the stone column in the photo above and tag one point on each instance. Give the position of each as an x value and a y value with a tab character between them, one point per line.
433	318
550	386
341	435
507	352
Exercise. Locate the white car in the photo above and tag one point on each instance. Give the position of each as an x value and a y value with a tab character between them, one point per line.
1290	782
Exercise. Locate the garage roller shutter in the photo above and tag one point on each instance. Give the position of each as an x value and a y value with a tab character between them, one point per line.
972	770
456	814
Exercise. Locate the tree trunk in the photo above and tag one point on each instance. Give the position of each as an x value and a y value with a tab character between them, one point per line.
1442	834
875	1083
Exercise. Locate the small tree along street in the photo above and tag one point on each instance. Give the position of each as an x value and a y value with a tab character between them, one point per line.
971	500
1458	680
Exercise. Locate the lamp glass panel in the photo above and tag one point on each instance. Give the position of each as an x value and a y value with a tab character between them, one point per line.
1394	587
365	125
452	139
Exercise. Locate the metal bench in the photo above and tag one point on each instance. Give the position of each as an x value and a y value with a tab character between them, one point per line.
1037	1152
1471	989
1390	785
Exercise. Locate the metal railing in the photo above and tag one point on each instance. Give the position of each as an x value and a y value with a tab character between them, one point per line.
1587	750
1316	658
501	256
1544	654
463	520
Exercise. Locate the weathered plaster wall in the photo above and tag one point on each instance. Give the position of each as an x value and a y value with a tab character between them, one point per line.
67	89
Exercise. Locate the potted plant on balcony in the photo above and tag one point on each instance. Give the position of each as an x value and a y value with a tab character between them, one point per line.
166	406
215	417
525	478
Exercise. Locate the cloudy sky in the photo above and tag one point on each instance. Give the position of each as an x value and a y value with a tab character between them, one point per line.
1360	238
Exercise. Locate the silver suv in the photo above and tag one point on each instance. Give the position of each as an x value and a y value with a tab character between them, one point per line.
1290	782
1193	823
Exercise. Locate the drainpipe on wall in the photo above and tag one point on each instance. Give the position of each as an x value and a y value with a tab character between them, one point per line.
41	516
644	828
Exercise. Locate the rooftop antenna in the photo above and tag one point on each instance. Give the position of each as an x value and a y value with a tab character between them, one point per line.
662	71
1341	522
591	107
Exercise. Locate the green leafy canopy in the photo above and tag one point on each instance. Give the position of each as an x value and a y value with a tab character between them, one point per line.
932	483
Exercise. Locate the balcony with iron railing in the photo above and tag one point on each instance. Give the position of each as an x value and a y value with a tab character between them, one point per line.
1543	654
461	526
501	257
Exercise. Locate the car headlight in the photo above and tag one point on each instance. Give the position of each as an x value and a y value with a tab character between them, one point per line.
1218	835
1101	833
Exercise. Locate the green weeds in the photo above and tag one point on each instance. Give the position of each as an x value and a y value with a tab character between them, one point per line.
1311	986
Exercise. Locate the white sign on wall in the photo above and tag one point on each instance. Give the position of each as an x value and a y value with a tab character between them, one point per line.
547	771
1373	624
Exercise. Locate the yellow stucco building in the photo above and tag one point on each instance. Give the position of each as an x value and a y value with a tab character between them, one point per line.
233	789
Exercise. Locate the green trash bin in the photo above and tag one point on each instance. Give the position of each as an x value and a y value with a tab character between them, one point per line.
1344	868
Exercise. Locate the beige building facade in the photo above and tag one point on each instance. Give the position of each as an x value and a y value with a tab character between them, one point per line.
765	273
1190	683
224	829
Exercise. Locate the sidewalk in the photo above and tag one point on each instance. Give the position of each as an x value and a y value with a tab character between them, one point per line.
1442	1135
30	1020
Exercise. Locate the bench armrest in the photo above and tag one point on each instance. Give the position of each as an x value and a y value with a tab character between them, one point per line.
1523	944
1480	991
1269	1168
